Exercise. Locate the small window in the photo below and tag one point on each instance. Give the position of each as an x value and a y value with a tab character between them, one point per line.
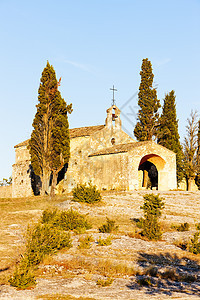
113	141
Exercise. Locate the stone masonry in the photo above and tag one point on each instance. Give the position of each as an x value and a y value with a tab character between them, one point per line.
106	156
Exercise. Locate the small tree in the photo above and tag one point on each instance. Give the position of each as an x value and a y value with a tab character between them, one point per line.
190	149
152	208
6	182
146	127
168	135
49	143
197	179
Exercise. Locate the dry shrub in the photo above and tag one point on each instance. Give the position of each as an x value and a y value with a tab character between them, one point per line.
182	227
105	282
194	244
152	271
66	220
108	227
105	242
144	281
85	242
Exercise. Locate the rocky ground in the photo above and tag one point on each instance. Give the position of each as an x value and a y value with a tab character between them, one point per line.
138	269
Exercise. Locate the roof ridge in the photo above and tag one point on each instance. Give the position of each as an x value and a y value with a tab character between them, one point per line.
73	132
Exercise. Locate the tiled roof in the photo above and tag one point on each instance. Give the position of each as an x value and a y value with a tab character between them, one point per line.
84	131
116	149
74	132
122	148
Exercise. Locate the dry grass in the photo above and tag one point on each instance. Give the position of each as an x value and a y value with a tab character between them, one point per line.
105	267
62	297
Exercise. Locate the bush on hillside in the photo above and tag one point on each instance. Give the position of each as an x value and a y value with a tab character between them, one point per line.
66	220
43	239
108	227
152	208
182	227
86	193
194	245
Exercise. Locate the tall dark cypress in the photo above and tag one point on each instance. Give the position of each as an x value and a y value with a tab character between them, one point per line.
146	127
168	135
49	145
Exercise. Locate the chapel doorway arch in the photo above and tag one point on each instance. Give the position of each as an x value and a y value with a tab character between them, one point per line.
150	171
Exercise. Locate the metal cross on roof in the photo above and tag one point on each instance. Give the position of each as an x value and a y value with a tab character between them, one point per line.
113	89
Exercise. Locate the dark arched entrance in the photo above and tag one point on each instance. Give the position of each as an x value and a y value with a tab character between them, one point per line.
150	175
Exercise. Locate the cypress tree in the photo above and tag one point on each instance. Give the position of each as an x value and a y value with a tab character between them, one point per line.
146	127
168	135
49	145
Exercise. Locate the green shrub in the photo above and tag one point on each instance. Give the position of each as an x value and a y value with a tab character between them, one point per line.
152	208
194	245
86	193
43	239
197	226
23	276
66	220
108	227
105	242
105	282
85	242
181	227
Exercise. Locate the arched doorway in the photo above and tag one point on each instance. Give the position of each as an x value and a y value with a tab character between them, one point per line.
150	175
150	167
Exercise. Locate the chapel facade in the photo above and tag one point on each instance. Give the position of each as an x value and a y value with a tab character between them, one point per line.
106	156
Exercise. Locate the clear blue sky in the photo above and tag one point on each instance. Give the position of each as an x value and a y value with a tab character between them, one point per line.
92	45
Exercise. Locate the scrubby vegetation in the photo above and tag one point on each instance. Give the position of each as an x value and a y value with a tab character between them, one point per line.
85	242
182	227
152	208
105	242
86	193
66	220
194	245
105	282
108	227
42	239
45	238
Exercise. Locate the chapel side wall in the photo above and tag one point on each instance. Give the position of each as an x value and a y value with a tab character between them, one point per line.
21	181
82	168
109	172
77	171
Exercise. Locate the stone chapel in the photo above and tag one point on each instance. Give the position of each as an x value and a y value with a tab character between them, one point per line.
106	156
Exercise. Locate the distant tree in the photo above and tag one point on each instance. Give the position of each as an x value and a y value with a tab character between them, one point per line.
197	179
49	144
168	135
146	127
6	182
190	149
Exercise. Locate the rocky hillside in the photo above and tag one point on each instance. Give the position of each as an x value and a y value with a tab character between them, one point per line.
129	268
